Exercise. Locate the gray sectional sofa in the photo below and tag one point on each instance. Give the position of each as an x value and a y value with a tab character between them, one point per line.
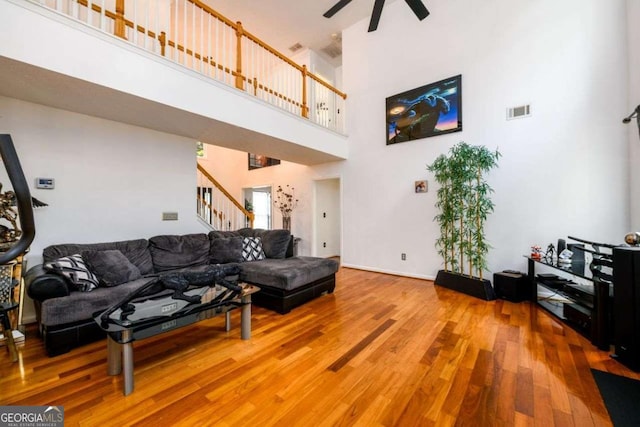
66	302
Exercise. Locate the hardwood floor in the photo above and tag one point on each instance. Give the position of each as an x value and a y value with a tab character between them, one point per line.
382	350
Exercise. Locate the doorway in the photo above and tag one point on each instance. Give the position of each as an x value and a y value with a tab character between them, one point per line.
258	201
327	218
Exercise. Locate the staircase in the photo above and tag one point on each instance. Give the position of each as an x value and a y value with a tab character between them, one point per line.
216	207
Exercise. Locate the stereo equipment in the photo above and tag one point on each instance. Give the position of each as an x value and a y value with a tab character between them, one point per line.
578	253
562	245
578	316
511	286
626	305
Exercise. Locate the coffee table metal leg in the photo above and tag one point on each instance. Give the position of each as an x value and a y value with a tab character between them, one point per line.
227	321
245	318
127	361
114	357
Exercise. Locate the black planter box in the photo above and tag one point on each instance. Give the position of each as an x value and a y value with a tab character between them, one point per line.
466	284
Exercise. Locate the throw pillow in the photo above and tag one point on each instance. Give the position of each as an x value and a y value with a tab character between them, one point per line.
171	252
226	249
275	242
252	249
74	269
111	267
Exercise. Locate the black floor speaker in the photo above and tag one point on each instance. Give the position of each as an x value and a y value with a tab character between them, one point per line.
626	306
511	286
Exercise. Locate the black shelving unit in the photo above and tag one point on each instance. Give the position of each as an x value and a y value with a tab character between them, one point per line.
584	306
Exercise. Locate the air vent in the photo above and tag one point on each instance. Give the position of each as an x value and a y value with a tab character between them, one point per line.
169	216
296	47
518	112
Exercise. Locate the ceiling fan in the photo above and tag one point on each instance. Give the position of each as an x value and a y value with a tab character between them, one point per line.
416	5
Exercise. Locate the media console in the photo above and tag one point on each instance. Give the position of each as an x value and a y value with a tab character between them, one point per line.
579	293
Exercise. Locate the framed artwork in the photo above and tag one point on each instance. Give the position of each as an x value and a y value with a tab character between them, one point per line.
421	186
430	110
257	161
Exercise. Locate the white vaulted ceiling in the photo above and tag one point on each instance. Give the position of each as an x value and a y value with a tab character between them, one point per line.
283	23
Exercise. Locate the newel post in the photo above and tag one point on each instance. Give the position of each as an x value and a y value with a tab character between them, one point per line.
163	42
119	28
239	82
305	107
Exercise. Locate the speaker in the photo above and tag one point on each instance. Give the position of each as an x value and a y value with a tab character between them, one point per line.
511	286
562	245
578	255
626	306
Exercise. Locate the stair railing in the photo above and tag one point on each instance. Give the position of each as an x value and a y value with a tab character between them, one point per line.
217	207
194	35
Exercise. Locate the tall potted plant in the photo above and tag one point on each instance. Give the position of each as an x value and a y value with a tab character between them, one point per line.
464	203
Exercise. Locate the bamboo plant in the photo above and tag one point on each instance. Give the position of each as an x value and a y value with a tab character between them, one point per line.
464	202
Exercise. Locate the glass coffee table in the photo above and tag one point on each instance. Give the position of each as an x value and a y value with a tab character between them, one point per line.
162	313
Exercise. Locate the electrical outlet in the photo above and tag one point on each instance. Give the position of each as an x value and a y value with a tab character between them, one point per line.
324	245
403	256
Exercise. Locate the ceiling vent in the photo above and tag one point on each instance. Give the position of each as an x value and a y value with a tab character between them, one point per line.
296	47
519	112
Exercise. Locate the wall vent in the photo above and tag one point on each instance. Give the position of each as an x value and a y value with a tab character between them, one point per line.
169	216
296	47
518	112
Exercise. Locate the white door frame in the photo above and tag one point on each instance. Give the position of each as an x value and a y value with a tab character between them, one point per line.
315	239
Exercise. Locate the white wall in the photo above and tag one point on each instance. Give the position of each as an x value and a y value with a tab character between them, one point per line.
113	181
563	171
633	100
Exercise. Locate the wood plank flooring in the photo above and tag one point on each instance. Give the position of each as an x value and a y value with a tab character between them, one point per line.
381	351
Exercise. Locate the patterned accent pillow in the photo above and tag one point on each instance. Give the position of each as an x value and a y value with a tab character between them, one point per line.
252	249
74	269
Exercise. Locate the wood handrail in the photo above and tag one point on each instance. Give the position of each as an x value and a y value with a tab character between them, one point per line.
265	46
271	50
248	214
214	13
121	22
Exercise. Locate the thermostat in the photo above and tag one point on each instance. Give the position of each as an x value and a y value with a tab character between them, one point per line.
48	183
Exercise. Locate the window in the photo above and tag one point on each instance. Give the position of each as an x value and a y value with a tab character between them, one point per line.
260	199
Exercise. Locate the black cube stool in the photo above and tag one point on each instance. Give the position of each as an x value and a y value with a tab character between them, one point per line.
511	286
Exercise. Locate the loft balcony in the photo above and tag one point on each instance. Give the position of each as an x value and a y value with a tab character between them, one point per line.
173	66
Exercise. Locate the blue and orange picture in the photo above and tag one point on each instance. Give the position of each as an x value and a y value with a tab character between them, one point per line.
430	110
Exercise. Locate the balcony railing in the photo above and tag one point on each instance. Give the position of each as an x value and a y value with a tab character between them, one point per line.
192	34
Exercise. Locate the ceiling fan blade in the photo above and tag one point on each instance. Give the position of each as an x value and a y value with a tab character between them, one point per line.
418	8
336	8
375	15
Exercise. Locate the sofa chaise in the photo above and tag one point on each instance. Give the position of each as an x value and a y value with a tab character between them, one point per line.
75	281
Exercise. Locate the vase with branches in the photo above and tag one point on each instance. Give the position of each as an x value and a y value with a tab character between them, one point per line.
286	202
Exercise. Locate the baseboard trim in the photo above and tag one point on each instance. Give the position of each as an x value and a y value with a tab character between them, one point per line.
391	272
